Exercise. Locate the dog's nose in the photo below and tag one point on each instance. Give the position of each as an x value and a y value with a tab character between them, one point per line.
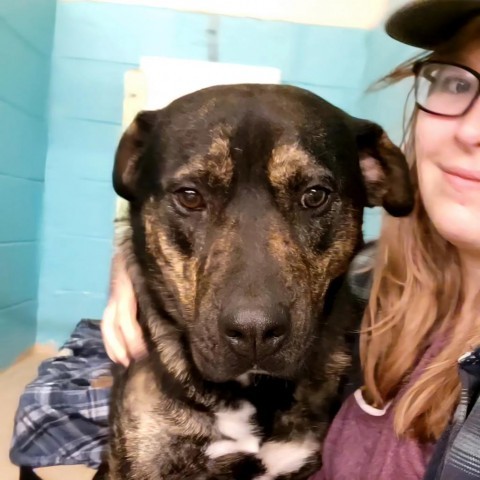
255	333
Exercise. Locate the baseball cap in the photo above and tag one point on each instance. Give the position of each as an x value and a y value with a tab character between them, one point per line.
428	23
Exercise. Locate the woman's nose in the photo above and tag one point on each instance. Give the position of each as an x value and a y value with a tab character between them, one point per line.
468	131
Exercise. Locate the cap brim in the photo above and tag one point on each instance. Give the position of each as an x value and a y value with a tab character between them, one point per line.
428	23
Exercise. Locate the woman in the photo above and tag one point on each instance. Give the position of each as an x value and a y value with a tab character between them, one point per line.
422	313
421	316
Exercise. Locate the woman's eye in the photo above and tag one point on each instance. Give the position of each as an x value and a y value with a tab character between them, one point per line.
315	197
454	85
190	199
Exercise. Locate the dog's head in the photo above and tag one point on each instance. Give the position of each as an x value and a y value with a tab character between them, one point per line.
246	202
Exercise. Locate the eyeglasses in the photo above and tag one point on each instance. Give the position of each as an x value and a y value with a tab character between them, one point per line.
445	88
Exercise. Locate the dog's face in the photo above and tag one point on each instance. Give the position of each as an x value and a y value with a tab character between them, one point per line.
247	202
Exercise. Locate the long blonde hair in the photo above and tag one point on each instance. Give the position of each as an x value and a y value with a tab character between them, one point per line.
416	297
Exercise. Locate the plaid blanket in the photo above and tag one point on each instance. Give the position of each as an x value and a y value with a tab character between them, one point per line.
62	415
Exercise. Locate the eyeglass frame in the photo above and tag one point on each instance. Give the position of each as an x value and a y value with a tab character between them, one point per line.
417	66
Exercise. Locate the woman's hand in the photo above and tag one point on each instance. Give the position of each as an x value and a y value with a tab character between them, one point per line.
122	335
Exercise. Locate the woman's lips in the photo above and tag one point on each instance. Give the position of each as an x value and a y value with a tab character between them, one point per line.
461	178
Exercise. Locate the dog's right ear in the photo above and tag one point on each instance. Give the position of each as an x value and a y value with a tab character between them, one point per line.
130	149
384	168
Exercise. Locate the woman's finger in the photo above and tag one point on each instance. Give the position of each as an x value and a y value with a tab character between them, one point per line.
126	318
112	336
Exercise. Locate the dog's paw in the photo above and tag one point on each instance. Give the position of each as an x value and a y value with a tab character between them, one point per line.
282	458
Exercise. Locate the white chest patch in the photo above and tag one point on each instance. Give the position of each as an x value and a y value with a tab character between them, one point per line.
240	436
239	431
280	458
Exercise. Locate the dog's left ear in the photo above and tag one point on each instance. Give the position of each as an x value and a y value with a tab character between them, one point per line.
385	170
129	152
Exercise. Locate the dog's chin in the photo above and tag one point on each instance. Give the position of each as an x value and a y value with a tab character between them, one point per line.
222	370
217	370
218	375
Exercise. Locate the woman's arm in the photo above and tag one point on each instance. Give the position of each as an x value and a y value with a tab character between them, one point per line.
121	332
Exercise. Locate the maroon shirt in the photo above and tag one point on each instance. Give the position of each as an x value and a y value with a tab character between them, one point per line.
362	445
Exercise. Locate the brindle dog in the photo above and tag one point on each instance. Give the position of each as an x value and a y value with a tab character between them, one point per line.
246	209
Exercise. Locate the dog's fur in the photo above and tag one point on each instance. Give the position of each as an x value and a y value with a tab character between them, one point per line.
240	278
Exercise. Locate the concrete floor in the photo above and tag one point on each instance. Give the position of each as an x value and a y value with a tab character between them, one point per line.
12	383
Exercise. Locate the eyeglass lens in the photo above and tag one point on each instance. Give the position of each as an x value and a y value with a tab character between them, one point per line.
445	89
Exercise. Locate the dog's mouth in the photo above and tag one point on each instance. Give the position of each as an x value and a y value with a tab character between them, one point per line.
252	340
249	376
223	365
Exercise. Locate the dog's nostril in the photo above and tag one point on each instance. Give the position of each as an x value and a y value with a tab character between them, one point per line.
233	334
274	333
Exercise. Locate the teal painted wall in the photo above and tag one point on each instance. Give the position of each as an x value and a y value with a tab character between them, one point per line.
94	44
26	33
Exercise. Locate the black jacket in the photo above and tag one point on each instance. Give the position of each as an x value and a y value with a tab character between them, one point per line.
457	453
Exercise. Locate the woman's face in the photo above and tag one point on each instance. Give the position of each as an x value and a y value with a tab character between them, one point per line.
448	155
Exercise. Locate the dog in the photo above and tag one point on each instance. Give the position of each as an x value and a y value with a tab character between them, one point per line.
246	207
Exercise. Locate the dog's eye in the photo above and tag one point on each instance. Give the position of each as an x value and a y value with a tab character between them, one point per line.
314	197
190	199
